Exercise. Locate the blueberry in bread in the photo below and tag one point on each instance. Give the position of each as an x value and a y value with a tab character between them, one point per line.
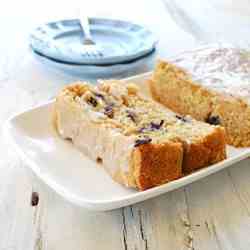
139	143
211	84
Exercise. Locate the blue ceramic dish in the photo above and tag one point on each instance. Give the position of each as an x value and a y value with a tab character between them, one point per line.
119	41
120	70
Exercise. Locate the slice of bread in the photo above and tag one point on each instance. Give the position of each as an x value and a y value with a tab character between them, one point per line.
138	142
211	84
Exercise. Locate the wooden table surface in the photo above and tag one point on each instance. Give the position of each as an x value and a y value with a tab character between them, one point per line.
213	213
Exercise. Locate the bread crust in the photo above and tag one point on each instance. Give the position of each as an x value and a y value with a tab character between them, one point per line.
156	164
211	149
173	87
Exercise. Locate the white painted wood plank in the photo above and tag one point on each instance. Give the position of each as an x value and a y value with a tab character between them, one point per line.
159	223
218	217
63	226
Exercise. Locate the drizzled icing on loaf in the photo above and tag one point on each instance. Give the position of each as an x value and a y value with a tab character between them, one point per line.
222	68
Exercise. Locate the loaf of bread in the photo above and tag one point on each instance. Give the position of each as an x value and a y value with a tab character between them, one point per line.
211	84
139	142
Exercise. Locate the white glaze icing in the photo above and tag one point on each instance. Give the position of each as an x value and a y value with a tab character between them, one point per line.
94	138
222	68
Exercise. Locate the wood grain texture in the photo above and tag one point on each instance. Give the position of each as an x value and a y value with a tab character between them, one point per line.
213	213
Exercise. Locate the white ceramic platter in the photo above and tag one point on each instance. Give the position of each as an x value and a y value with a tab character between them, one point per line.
74	176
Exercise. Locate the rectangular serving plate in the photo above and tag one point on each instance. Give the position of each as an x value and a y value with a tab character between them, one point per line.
77	178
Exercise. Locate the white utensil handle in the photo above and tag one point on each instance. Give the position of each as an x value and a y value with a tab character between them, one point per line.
84	21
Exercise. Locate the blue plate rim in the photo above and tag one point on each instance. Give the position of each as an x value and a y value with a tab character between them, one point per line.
143	64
